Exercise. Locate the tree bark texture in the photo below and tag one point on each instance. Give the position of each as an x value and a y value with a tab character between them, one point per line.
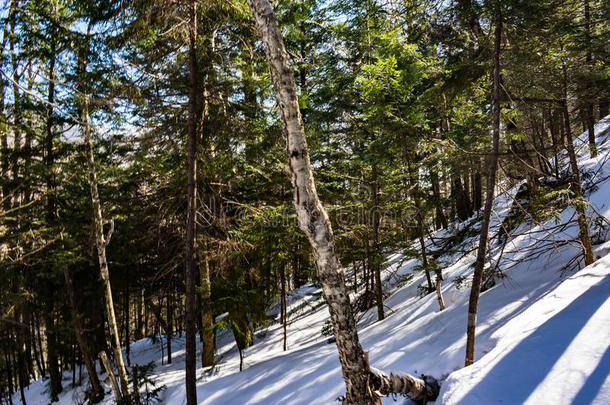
190	320
313	219
575	185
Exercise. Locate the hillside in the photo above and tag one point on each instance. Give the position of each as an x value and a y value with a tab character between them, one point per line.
543	329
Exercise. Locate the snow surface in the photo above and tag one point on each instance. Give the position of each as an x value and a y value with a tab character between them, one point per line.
543	333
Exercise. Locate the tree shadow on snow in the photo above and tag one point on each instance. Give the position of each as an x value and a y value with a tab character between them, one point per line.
517	375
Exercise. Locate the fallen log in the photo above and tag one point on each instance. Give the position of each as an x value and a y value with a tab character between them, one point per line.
420	389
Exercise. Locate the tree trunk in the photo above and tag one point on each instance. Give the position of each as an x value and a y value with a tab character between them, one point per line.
190	262
53	363
467	190
165	325
414	186
477	191
97	392
126	319
284	304
169	331
207	315
3	134
38	350
589	111
418	389
136	385
436	196
17	123
462	204
556	141
439	288
377	258
140	316
313	219
110	373
489	193
575	185
101	240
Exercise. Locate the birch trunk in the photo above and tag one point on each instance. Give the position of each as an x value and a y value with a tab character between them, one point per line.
313	219
110	373
420	390
101	240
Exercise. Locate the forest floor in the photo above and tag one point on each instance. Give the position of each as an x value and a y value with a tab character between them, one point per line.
543	334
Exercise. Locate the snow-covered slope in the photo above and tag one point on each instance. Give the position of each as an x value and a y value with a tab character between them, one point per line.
557	351
543	330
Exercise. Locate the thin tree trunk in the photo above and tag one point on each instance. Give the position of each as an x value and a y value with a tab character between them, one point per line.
27	146
588	113
101	240
284	302
97	392
313	219
16	101
467	189
53	366
126	319
376	262
436	196
51	214
20	380
140	316
479	265
73	365
10	367
477	191
110	373
575	185
22	372
169	332
555	139
414	186
190	263
3	134
37	347
439	288
207	315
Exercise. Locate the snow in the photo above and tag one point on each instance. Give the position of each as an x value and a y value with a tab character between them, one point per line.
557	351
543	333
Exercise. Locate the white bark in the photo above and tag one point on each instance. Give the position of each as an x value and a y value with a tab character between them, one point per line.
101	241
313	219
